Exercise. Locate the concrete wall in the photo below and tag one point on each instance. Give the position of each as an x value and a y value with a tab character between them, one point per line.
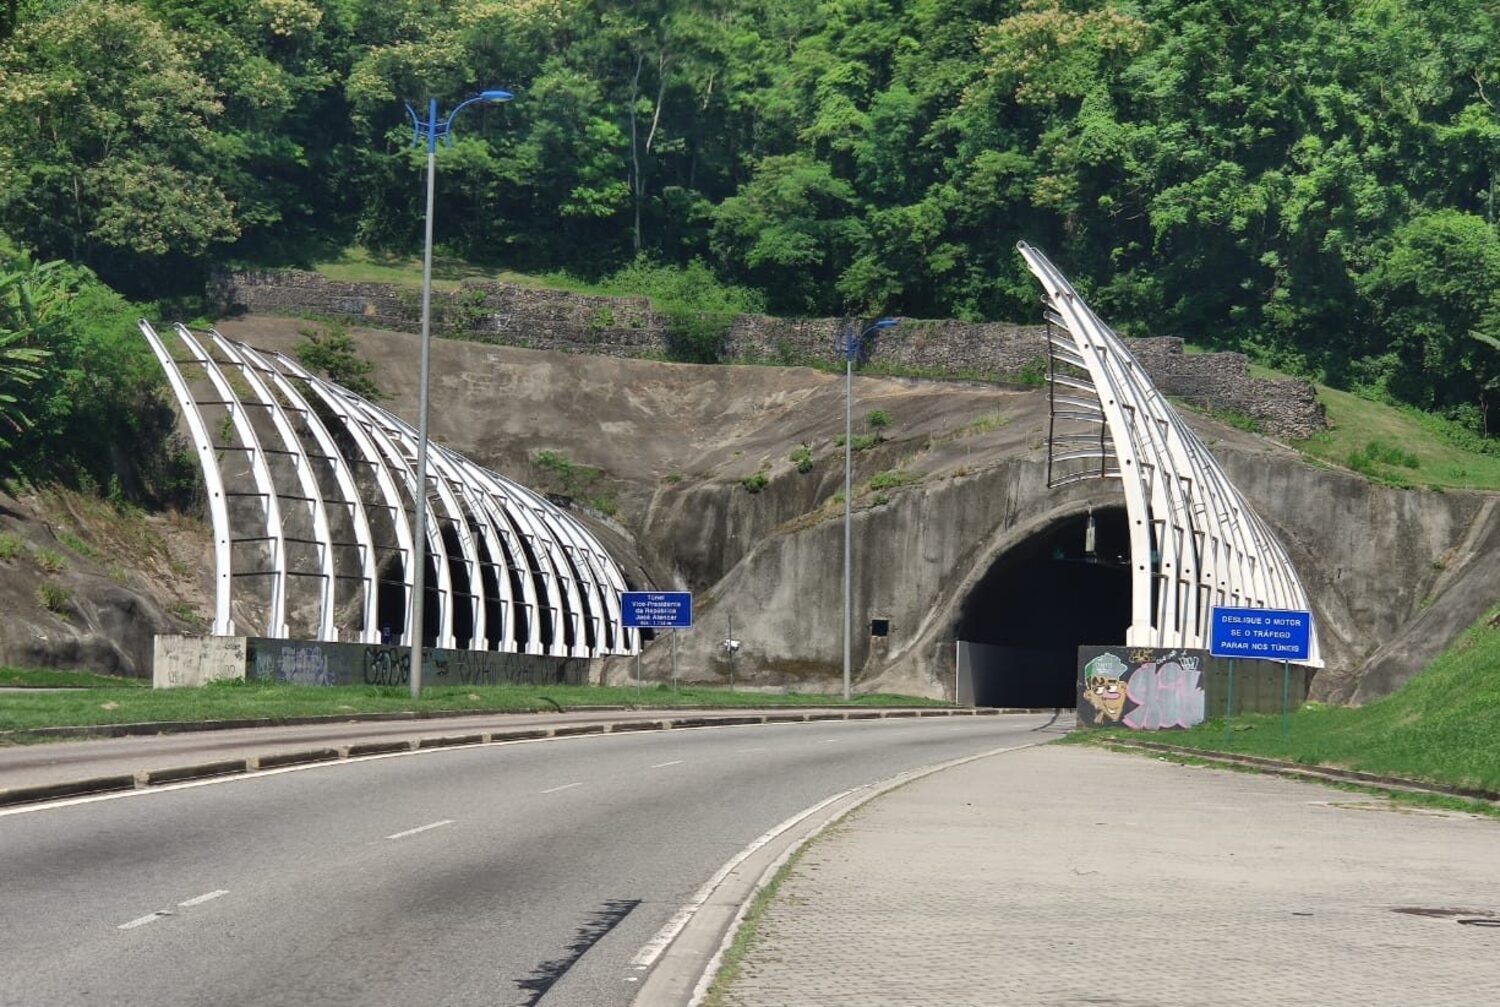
628	327
197	660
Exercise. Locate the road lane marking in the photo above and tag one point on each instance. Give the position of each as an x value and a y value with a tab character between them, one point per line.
829	741
143	920
565	786
664	765
421	828
743	750
199	900
647	955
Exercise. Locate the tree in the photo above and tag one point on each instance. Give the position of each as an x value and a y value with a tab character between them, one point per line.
104	144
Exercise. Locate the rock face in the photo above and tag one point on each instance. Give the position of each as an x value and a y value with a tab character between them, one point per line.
687	473
84	586
628	327
957	482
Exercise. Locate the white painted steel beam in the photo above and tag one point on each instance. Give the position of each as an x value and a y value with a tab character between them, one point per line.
521	553
1210	548
208	458
260	473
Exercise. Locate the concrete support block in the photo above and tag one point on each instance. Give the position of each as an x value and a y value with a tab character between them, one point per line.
196	660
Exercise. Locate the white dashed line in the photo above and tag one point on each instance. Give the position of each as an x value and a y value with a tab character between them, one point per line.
664	765
829	741
565	786
743	750
143	920
421	828
202	898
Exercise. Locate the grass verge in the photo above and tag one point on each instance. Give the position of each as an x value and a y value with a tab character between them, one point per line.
749	930
43	678
1440	727
267	700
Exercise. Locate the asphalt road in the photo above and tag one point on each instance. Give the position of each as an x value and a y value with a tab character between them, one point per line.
500	875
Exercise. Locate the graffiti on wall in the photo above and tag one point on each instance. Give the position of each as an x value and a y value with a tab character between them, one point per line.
1143	689
295	664
303	663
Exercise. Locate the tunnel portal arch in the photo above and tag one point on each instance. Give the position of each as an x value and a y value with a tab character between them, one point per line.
1021	624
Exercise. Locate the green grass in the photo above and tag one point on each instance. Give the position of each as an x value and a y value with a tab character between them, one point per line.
1397	445
44	678
357	265
258	700
1441	727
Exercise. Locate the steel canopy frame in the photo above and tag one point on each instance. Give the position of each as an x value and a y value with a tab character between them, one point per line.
519	551
1194	540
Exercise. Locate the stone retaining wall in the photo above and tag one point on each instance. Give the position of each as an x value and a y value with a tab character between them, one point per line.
542	319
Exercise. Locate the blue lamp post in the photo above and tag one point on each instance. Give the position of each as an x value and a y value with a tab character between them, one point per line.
427	133
850	345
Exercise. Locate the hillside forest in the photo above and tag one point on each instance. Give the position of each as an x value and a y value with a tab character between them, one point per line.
1312	182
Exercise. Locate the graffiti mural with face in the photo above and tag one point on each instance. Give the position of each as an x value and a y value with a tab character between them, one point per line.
1104	687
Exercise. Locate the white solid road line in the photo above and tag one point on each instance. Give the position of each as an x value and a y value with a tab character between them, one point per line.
143	920
202	898
648	954
421	828
664	765
565	786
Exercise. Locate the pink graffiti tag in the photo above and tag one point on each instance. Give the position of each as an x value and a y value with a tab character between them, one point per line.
1166	695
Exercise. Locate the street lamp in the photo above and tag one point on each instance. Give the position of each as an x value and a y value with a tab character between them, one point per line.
428	134
851	347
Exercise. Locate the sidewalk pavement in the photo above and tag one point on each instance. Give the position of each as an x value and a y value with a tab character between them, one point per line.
1070	875
69	768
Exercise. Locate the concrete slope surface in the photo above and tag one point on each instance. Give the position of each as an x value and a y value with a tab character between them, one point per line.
531	873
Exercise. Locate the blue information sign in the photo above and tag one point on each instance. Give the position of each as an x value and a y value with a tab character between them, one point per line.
657	609
1268	634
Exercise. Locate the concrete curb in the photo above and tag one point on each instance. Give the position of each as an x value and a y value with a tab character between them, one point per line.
145	779
1297	770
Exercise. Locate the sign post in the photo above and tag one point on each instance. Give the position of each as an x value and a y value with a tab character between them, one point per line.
1263	634
658	610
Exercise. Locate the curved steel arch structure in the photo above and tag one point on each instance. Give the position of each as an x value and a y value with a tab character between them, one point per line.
330	494
1194	541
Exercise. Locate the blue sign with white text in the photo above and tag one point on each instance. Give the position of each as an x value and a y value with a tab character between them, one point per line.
1267	634
657	609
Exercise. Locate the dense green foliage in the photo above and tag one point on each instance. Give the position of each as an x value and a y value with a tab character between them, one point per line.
84	404
1313	182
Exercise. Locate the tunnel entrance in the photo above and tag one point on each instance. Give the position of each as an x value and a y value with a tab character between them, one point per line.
1020	628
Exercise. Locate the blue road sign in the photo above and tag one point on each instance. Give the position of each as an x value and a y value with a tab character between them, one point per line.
657	609
1267	634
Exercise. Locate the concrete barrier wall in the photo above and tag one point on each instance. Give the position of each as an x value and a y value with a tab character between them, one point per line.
198	660
1150	689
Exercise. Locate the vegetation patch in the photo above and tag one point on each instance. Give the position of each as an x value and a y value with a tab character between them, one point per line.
77	544
755	482
12	546
46	678
580	482
54	597
329	350
802	457
893	478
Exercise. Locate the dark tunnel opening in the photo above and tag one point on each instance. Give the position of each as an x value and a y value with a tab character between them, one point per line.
1020	628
